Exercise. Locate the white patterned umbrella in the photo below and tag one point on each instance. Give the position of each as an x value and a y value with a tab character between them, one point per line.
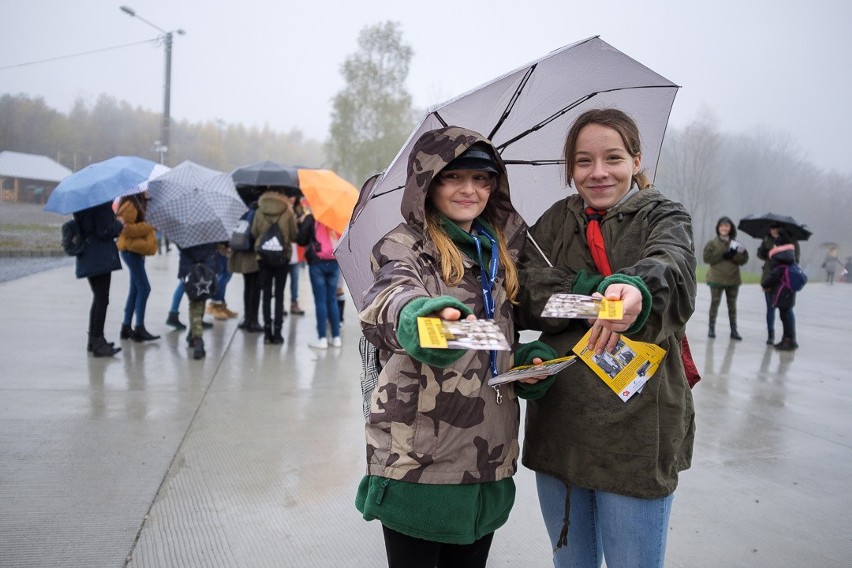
193	205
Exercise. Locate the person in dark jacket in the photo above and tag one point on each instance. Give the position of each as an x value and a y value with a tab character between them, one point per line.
205	254
763	254
779	258
725	257
99	258
607	470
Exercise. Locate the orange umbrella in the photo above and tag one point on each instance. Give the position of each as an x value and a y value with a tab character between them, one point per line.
330	197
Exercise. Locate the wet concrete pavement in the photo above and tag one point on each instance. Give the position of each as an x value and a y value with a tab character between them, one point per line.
251	457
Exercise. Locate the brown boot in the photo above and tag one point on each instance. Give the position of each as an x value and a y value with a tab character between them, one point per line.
217	310
228	312
296	310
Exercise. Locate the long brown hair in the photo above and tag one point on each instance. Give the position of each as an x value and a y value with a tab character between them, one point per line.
452	267
618	121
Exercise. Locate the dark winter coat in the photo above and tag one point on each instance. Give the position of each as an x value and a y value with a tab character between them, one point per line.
199	254
100	229
580	431
273	207
778	258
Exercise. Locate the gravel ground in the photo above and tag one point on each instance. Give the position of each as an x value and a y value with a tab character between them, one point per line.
27	233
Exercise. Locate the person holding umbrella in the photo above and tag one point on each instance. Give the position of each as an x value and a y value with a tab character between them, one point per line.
725	257
442	445
99	258
606	470
767	245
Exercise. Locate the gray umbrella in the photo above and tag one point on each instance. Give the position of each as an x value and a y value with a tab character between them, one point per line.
193	205
526	114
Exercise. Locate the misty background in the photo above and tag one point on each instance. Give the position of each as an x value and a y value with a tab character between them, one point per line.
760	122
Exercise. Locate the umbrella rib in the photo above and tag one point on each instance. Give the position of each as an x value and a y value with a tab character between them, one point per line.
511	104
562	111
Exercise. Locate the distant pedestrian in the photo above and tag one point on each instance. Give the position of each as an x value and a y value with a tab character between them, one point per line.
136	241
319	242
189	256
763	254
99	227
273	209
780	257
830	265
725	256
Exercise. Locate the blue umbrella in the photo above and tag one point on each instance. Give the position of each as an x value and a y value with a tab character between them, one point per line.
98	183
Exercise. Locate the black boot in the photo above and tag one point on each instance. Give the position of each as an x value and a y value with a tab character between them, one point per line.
277	338
770	339
126	332
786	344
142	334
735	334
89	344
254	327
197	345
100	348
267	334
173	321
711	333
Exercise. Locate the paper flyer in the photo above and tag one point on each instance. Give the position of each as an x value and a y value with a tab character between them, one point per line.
627	368
550	367
582	307
436	333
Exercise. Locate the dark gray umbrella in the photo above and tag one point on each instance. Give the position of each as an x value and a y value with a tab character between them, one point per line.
757	225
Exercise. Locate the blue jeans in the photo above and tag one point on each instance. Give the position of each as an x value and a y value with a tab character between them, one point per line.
324	275
140	288
294	281
790	324
223	276
628	531
177	296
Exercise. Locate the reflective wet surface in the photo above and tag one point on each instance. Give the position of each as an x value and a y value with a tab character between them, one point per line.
251	457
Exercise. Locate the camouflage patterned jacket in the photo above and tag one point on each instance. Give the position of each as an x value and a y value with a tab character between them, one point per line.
429	424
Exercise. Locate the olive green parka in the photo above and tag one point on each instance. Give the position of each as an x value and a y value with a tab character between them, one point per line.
580	431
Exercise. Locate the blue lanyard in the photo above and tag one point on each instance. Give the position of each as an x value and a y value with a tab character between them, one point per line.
487	280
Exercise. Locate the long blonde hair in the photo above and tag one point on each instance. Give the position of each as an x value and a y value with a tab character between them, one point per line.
452	267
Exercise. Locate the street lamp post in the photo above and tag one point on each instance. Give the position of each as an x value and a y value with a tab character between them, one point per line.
162	145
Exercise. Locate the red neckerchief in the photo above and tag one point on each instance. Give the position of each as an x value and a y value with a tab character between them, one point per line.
596	240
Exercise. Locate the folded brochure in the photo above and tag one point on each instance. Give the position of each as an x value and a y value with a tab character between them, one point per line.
627	368
582	307
436	333
550	367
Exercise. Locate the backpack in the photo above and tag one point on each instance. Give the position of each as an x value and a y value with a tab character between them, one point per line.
241	238
793	279
73	241
272	248
200	283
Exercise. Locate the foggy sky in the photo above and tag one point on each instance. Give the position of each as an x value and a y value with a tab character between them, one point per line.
780	66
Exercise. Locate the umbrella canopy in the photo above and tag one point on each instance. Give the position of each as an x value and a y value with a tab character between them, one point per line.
757	225
265	174
526	114
159	169
193	205
98	183
330	197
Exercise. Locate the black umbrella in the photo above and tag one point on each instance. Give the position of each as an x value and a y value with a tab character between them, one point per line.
757	225
253	179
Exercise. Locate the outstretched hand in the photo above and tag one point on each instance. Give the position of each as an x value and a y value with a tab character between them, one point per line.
451	314
606	333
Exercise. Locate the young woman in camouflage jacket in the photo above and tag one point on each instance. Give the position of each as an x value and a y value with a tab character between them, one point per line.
442	445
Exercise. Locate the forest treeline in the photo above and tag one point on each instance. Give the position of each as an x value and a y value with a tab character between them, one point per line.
710	172
111	127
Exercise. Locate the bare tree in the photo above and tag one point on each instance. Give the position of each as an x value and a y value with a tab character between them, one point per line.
691	169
